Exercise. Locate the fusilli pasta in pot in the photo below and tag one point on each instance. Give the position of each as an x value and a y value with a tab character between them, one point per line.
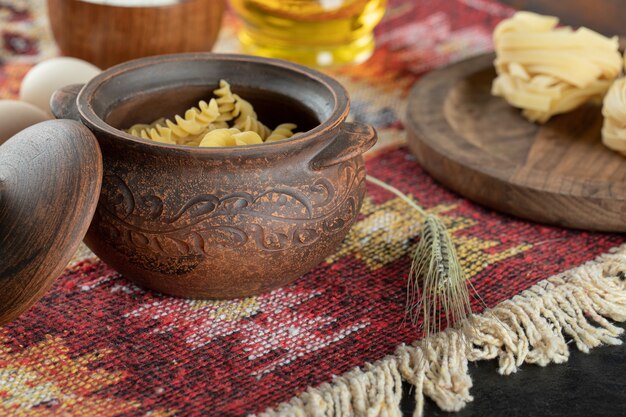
247	138
217	125
230	137
189	123
206	113
282	131
243	110
158	134
226	120
219	137
136	129
256	126
226	102
177	131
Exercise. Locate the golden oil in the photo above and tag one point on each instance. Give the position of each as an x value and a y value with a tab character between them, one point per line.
312	32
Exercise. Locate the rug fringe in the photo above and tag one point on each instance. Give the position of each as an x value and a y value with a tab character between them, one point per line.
529	328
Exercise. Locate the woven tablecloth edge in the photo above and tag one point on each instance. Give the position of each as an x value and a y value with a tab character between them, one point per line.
531	327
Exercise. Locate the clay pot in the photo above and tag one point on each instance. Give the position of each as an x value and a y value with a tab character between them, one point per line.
220	222
106	35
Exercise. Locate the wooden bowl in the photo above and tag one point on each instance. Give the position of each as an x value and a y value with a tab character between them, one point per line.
220	222
107	35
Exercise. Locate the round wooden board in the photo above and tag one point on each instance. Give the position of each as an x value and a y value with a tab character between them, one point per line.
479	146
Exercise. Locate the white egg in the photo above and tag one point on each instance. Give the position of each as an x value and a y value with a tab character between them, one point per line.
16	116
50	75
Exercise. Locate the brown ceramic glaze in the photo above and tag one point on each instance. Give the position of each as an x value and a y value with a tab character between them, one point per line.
49	184
220	222
107	35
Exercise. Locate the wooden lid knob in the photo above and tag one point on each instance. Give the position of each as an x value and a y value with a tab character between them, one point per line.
50	178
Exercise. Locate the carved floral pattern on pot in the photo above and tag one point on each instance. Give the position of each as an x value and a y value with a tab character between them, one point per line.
276	219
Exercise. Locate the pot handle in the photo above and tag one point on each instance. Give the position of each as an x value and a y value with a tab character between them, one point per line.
63	102
354	139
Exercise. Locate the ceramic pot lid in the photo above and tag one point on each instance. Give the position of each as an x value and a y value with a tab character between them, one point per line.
50	178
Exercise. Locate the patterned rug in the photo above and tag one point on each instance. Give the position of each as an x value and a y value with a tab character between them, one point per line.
335	342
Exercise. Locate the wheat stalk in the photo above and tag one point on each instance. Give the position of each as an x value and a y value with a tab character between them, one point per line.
436	282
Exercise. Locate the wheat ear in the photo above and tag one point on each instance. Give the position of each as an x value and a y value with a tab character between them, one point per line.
436	287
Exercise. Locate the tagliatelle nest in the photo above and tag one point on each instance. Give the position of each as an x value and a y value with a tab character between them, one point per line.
614	111
547	70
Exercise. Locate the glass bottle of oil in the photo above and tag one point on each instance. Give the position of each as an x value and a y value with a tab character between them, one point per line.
311	32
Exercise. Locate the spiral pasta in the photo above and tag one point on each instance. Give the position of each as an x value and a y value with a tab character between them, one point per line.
282	131
243	109
225	120
158	134
184	130
614	112
247	138
256	126
547	70
190	123
217	125
230	137
136	129
205	113
226	102
219	137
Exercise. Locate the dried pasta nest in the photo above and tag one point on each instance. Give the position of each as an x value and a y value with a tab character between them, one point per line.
546	70
614	112
226	120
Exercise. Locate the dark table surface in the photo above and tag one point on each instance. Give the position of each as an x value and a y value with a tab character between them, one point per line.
588	385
